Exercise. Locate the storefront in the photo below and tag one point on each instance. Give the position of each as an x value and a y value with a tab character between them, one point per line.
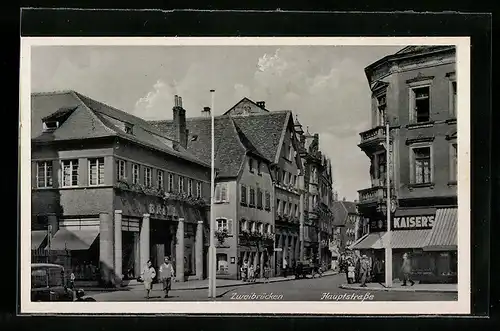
427	235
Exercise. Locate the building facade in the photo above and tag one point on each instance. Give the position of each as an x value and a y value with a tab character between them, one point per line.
348	220
114	191
415	91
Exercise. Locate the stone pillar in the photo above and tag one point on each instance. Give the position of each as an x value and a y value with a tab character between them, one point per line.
118	247
137	255
199	250
106	242
144	241
179	251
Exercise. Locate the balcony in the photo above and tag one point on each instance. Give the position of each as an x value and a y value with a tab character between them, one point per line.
372	196
372	139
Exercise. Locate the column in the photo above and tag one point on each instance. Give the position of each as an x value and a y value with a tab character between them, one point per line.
118	246
144	241
199	250
106	242
179	251
137	254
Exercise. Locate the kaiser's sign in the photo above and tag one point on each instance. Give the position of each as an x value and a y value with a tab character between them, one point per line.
413	222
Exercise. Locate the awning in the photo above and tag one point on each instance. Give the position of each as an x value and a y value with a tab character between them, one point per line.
73	240
445	230
372	240
408	239
401	239
37	238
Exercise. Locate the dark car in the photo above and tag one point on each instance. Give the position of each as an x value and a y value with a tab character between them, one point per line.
48	283
305	268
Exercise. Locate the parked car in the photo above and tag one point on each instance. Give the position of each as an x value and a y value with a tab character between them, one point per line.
305	268
49	283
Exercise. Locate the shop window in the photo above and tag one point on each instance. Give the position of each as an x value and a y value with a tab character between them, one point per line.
69	173
135	173
420	101
44	174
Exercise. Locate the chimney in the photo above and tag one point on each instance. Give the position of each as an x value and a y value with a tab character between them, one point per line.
206	112
180	122
261	104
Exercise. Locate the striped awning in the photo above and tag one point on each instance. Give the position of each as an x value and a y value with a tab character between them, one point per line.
372	240
445	230
407	239
73	240
37	238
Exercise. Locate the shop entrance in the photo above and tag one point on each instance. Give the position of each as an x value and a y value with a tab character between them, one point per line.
160	241
129	254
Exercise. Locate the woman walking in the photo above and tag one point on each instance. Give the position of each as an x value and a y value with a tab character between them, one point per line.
147	276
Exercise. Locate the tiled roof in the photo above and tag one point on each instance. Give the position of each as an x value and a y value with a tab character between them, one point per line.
93	119
350	206
342	209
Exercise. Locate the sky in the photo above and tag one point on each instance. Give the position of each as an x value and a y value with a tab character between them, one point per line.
324	85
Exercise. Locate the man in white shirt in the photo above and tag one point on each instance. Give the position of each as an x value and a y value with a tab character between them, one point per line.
166	275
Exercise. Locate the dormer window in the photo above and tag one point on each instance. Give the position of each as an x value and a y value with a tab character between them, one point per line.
129	129
50	125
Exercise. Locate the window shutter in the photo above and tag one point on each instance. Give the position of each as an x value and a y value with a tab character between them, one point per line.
230	227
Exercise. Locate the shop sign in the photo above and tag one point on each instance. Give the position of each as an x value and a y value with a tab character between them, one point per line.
413	222
157	209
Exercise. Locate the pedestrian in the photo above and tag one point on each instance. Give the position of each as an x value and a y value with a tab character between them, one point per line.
244	271
285	267
257	272
72	279
148	274
166	275
267	271
406	269
350	272
251	274
364	269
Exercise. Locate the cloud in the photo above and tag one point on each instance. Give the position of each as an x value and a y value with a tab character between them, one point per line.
156	102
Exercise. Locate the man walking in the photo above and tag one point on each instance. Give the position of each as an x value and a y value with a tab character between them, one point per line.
166	275
148	275
285	267
364	269
406	269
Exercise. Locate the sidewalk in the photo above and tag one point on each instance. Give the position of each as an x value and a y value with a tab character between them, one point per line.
437	288
202	284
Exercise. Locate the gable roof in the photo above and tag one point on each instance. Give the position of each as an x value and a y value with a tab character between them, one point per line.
245	100
89	118
341	210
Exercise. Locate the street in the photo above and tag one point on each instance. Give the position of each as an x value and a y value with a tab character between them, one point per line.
293	290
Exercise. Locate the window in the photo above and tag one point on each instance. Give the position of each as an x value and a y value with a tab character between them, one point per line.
70	173
285	177
243	225
181	184
381	105
148	176
268	201
269	228
261	228
295	180
135	173
221	192
44	174
290	210
170	182
278	175
421	104
381	168
96	171
198	189
278	206
223	223
252	197
296	211
253	226
121	170
250	164
161	182
259	168
243	198
285	208
259	198
128	129
454	163
422	165
453	100
190	187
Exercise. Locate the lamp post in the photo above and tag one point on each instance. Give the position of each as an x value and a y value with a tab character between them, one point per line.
211	251
388	236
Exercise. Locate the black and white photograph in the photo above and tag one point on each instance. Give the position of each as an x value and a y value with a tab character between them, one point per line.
293	175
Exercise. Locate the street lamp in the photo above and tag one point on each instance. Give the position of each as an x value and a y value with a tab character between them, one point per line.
212	293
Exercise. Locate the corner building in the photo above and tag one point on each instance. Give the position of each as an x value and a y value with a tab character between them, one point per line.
114	191
415	91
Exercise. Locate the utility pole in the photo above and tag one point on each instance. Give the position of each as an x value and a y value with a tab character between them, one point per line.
388	236
212	274
301	218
